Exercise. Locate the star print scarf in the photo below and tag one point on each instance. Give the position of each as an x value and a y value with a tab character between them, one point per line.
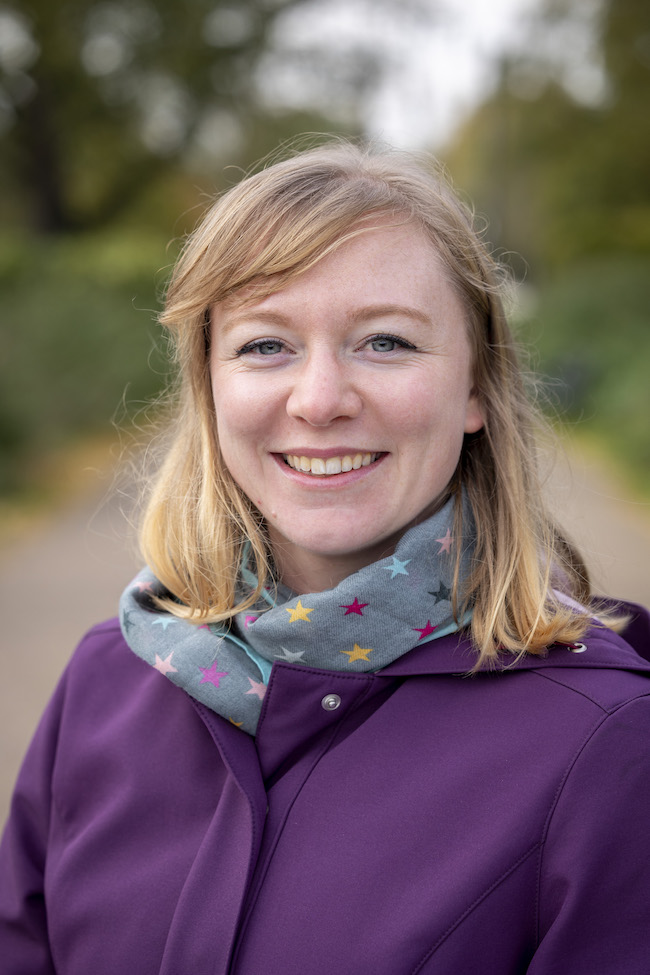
370	619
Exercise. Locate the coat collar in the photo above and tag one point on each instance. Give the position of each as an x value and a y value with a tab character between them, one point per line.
600	648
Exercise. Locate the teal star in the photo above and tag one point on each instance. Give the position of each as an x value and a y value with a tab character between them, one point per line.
397	568
291	656
163	621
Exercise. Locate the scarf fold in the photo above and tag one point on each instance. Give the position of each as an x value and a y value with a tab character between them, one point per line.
364	623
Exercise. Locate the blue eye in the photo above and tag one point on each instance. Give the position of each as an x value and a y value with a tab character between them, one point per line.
384	344
388	343
268	348
262	347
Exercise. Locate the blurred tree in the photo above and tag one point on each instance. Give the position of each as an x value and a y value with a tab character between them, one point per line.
111	111
558	159
100	98
559	156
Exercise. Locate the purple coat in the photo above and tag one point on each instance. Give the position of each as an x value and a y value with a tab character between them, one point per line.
430	823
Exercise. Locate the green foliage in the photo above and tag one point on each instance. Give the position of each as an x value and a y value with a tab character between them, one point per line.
561	180
591	329
564	183
100	98
112	115
79	344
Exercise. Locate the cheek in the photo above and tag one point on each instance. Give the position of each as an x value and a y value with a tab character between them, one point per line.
436	426
241	410
436	408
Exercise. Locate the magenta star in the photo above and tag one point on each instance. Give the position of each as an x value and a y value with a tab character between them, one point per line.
248	620
354	607
426	630
257	688
445	543
211	675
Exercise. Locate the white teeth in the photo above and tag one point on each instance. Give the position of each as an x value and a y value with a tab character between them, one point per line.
333	465
330	466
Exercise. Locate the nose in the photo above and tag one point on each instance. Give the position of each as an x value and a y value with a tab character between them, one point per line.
323	390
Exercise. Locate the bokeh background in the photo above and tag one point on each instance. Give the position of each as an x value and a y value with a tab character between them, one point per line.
119	119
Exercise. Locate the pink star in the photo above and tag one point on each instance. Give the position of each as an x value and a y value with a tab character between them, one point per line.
426	630
354	607
165	666
445	543
211	675
143	586
257	688
248	620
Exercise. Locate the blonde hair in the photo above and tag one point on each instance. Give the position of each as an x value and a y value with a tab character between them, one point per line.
268	229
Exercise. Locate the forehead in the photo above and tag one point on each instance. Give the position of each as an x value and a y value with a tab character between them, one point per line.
381	257
382	273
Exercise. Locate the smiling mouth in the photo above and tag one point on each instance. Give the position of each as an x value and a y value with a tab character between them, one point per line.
326	467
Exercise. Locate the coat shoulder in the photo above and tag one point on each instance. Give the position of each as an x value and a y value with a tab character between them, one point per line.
604	667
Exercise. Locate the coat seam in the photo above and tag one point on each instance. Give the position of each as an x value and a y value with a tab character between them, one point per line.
575	690
252	895
468	910
558	795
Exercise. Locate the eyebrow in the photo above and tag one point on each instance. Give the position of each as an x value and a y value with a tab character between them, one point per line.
384	311
361	315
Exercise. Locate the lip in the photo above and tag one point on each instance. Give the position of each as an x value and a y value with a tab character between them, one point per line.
333	480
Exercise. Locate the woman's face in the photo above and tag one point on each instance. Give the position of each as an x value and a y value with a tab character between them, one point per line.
342	401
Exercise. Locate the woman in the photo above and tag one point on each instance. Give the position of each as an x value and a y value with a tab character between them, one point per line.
359	716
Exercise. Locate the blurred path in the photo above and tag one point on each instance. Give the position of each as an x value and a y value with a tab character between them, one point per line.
69	573
55	583
611	528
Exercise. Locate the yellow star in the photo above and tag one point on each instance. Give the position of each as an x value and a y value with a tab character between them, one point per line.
358	653
299	612
237	724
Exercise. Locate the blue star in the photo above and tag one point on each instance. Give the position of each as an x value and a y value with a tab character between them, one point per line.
397	568
163	621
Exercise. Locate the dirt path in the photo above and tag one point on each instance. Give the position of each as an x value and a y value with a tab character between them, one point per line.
68	574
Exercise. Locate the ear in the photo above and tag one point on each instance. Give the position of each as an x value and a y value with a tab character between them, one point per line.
474	419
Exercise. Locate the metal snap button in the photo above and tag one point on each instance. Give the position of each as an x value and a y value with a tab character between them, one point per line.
330	702
577	647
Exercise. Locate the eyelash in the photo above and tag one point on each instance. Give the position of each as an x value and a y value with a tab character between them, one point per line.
387	337
257	344
380	337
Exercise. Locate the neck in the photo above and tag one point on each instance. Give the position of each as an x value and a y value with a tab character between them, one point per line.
304	571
